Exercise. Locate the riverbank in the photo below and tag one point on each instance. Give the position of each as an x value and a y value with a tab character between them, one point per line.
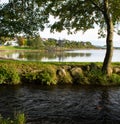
18	72
50	48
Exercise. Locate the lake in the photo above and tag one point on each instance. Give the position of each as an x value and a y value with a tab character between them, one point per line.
62	104
71	104
62	56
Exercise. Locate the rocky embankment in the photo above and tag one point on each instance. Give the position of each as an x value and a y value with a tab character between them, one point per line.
15	72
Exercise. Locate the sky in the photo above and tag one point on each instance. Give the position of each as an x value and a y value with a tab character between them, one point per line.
90	35
3	1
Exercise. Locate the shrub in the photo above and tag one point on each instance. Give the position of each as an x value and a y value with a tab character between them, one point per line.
97	77
45	76
9	75
19	119
114	79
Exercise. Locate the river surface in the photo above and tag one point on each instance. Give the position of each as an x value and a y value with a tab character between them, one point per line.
62	104
63	56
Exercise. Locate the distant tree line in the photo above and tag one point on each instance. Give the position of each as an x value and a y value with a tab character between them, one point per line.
39	43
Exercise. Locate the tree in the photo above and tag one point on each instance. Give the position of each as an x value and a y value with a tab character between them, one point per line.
21	16
27	16
21	41
82	15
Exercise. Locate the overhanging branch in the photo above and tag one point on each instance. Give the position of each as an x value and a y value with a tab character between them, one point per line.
97	6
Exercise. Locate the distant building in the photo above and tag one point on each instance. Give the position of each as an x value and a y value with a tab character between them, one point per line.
11	43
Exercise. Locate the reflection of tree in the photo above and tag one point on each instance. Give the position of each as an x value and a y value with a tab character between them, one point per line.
88	54
21	55
103	106
33	56
82	54
61	55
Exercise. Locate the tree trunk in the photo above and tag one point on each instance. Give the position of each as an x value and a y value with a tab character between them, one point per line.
109	40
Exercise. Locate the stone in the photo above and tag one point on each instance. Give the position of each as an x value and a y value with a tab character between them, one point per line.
76	71
116	70
61	72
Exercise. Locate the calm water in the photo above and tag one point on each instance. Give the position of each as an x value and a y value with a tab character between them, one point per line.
66	56
62	105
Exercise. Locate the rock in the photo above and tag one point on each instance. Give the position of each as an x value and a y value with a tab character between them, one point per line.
116	70
87	68
76	71
61	72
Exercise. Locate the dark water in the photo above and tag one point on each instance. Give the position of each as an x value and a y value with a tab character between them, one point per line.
62	104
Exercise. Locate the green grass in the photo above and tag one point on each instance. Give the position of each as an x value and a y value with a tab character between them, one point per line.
53	73
12	48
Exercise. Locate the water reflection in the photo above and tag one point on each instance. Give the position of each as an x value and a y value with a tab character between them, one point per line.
103	106
44	56
62	56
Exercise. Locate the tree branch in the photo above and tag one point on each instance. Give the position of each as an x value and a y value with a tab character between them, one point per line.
98	7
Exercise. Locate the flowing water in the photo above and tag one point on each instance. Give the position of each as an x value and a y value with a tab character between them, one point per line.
62	104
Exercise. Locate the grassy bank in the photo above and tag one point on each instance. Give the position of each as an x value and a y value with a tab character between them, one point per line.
17	72
14	48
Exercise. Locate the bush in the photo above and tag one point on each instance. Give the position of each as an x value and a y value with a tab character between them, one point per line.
19	119
114	79
45	76
97	77
9	75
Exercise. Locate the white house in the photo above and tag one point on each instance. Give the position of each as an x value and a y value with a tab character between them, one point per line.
11	43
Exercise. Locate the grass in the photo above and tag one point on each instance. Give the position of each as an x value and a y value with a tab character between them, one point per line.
43	73
12	48
18	119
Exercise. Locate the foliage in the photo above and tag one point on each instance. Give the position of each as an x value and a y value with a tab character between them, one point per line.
18	16
19	119
9	75
114	79
55	73
29	16
96	77
44	76
80	15
3	39
35	42
50	42
75	15
21	41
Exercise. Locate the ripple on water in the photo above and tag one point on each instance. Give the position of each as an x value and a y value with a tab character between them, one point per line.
62	105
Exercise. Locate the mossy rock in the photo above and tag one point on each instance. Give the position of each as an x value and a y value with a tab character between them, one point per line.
116	70
76	71
63	76
61	72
